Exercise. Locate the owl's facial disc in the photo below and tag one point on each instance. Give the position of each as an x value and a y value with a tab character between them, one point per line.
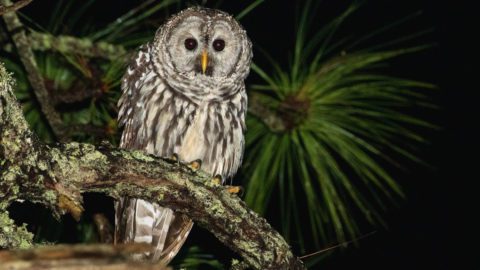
224	48
204	46
184	44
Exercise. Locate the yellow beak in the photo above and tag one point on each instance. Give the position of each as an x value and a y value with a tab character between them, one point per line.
204	61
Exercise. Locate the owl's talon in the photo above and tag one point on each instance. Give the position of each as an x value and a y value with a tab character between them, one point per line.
173	159
235	190
195	165
217	180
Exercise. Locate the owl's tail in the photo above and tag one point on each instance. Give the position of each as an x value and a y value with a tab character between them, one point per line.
139	221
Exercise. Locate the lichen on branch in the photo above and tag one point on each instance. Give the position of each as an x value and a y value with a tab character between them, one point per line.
13	236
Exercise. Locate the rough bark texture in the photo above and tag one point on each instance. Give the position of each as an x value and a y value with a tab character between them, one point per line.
56	176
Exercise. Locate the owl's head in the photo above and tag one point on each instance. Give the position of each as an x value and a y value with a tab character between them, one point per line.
204	42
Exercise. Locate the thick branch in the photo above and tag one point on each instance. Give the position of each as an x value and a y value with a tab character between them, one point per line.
57	175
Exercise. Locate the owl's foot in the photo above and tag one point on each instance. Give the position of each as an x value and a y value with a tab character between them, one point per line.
195	165
235	190
217	180
173	159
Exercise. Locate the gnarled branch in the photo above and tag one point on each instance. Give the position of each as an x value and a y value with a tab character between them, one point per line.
56	176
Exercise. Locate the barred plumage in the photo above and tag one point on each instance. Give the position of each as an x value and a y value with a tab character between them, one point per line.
173	102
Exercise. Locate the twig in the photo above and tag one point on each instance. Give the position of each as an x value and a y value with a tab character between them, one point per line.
36	80
344	244
16	6
78	46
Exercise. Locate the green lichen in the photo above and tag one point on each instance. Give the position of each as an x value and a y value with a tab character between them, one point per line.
50	196
13	236
91	155
217	209
72	149
141	156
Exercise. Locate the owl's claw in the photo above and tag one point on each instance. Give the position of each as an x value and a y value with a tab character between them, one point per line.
235	190
195	165
217	180
173	159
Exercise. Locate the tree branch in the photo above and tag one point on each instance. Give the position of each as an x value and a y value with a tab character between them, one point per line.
76	46
13	7
36	80
56	176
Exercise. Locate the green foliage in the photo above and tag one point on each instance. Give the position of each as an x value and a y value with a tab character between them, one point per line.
344	122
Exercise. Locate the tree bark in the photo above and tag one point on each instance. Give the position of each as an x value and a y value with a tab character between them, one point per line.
57	175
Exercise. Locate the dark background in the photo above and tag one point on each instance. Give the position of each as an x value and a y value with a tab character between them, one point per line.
429	230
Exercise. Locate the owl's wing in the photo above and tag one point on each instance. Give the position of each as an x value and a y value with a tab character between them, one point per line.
130	114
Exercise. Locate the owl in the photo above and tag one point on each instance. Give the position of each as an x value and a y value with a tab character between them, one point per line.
183	95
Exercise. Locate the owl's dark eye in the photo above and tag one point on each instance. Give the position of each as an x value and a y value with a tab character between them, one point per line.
190	44
219	44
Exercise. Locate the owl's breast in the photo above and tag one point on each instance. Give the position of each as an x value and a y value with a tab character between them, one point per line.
193	145
215	136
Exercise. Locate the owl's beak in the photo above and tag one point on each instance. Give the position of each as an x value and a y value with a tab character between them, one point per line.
204	61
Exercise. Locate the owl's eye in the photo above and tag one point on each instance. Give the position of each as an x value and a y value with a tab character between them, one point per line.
190	44
219	45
